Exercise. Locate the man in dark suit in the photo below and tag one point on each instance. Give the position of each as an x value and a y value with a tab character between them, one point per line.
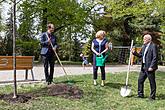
149	55
47	52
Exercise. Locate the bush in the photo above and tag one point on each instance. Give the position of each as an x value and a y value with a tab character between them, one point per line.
28	48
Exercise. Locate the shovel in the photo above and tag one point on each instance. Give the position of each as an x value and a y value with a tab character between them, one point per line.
68	81
126	90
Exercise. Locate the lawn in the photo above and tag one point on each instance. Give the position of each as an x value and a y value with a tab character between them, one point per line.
94	97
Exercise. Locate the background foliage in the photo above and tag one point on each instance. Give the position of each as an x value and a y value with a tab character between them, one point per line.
77	22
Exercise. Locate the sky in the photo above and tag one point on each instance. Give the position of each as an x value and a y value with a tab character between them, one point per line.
5	7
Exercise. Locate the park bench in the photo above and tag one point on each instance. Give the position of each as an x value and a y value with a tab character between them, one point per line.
22	63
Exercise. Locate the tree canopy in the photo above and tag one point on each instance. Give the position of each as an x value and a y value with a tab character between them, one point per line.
123	20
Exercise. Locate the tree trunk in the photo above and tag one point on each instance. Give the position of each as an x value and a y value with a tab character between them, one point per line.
14	53
44	18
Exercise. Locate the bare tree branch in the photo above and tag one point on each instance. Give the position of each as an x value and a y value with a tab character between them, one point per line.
10	0
2	1
18	1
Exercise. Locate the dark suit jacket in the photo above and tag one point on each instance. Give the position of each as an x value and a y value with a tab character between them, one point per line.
151	57
44	43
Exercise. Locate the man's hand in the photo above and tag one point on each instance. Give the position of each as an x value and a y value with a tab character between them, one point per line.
132	50
150	69
49	41
54	49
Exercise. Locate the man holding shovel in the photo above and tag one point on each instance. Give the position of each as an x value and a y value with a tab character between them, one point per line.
149	55
47	52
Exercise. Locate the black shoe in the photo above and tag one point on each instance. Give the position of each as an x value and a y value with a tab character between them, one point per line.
151	99
48	83
140	96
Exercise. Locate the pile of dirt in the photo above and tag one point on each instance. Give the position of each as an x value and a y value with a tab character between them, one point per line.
65	91
20	98
62	90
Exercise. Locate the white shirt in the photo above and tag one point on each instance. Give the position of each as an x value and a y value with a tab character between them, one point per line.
99	41
145	51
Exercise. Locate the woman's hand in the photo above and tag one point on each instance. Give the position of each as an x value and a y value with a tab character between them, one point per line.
98	54
102	52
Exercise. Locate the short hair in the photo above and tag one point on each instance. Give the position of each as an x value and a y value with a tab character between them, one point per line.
148	36
49	25
100	33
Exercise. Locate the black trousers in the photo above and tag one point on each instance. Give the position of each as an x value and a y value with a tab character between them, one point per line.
95	69
48	61
142	77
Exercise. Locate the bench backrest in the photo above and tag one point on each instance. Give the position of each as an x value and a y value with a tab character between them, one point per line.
22	62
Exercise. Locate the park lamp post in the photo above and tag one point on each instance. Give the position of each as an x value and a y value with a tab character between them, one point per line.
14	50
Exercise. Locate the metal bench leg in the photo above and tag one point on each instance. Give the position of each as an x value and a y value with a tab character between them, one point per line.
26	74
32	74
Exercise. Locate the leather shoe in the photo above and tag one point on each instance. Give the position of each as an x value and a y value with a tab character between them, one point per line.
140	96
49	83
151	99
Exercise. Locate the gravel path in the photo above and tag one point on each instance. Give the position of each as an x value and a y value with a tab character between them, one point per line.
70	69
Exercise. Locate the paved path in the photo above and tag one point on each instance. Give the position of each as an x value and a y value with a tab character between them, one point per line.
71	70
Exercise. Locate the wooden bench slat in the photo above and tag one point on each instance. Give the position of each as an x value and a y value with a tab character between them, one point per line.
22	62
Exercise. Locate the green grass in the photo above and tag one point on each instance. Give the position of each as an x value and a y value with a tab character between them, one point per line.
95	97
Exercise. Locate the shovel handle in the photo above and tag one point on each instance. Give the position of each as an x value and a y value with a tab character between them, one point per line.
129	62
58	58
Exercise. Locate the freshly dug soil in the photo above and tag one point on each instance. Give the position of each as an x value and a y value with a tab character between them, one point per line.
20	98
62	90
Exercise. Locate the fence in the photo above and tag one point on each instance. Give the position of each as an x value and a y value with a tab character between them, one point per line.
120	55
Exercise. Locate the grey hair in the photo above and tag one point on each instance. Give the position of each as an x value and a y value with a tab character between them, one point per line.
148	36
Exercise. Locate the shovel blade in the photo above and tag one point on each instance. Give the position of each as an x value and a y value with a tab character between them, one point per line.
125	91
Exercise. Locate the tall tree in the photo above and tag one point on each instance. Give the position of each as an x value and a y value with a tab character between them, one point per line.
65	14
68	17
125	19
26	28
44	15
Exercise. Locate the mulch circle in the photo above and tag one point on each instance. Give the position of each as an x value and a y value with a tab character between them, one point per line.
20	98
62	90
